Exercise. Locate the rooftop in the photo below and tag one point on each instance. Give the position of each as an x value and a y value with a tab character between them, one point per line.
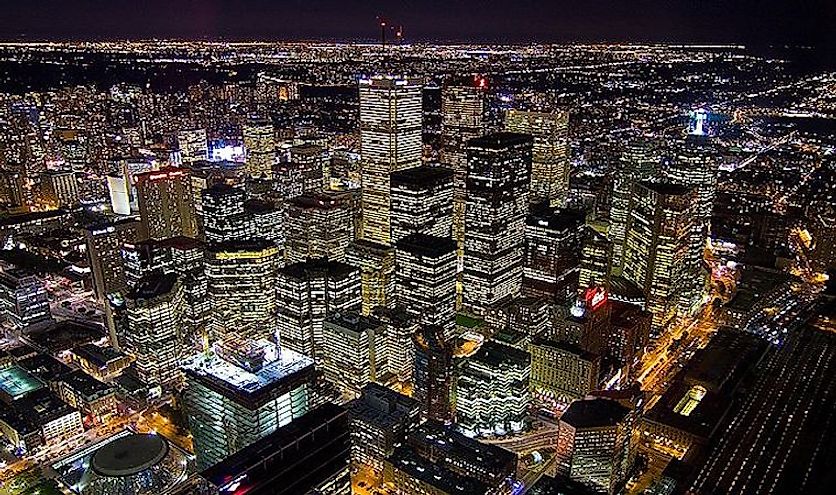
315	268
500	141
427	245
407	460
15	382
153	285
422	176
594	413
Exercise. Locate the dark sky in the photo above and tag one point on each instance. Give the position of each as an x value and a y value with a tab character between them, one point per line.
749	21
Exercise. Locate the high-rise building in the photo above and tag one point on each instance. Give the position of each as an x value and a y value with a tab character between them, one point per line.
194	146
224	218
59	188
561	372
464	116
241	288
260	146
24	300
662	256
426	279
390	140
550	162
595	443
492	396
318	226
379	420
376	263
695	167
267	220
401	325
552	252
166	203
433	373
499	169
241	392
422	202
354	352
596	259
311	161
638	161
155	315
307	293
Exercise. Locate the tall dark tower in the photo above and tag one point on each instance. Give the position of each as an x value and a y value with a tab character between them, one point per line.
433	373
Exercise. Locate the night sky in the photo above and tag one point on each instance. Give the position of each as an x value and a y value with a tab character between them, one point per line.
747	21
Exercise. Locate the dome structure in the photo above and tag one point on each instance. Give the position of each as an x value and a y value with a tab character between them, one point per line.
135	464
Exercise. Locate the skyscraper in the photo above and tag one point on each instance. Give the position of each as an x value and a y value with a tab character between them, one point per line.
464	115
318	226
260	146
194	146
638	161
60	188
499	168
426	279
662	256
24	300
310	159
376	263
241	288
390	140
355	351
155	316
552	249
224	218
596	260
241	392
308	292
550	162
166	204
433	373
422	202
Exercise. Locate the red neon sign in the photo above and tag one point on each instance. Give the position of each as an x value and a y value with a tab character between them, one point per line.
595	297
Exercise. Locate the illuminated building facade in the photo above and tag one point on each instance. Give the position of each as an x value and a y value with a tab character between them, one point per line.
376	263
241	392
24	300
155	314
426	279
499	170
595	443
638	161
662	255
390	140
550	161
422	202
464	116
241	288
401	326
552	244
166	203
307	293
492	391
561	372
596	260
695	166
318	226
59	188
433	373
354	352
260	146
311	160
194	145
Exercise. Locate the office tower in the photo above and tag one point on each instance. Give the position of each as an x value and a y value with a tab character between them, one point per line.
203	177
311	161
166	204
307	293
194	145
143	258
355	351
271	465
224	216
260	147
492	396
318	226
59	188
596	259
439	460
155	314
499	168
527	315
426	279
561	372
241	392
627	337
119	190
241	288
376	263
24	300
433	373
586	322
422	202
552	253
12	191
662	256
400	326
463	117
40	419
550	161
267	220
694	166
390	140
638	161
379	420
595	443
